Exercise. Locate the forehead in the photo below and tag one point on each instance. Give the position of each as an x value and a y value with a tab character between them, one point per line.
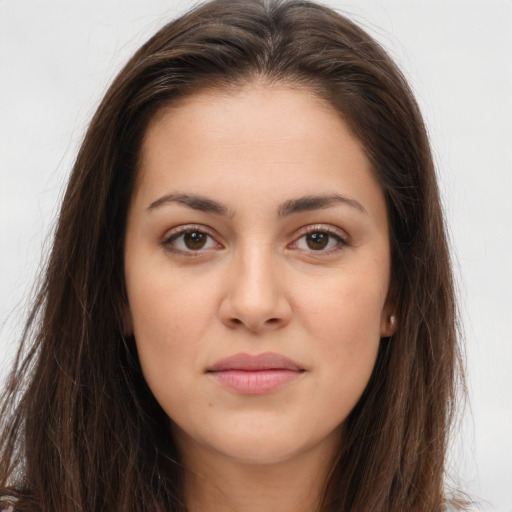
259	137
242	109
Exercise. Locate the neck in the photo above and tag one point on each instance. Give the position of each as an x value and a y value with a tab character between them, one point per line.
221	484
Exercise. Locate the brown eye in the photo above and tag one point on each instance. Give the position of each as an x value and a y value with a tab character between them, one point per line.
189	241
321	241
317	241
195	240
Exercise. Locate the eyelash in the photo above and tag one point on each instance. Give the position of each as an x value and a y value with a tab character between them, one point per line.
182	231
341	242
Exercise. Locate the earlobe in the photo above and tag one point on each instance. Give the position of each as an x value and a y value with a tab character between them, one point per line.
388	325
389	321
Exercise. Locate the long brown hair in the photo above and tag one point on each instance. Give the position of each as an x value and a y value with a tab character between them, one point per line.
80	428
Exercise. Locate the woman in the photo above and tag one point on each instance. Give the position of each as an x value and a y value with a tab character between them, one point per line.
249	302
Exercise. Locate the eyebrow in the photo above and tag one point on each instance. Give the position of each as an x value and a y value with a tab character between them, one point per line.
308	203
196	202
290	207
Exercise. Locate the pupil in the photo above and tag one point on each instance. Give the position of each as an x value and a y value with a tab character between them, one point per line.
194	240
317	241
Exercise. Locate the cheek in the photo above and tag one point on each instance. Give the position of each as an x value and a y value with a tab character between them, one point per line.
344	320
170	316
346	309
164	301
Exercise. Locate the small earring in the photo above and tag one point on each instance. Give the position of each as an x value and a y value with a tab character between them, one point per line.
392	325
389	329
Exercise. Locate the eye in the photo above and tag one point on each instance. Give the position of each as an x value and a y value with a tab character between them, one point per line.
320	240
189	240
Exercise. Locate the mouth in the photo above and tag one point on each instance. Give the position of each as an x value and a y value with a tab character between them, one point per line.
255	374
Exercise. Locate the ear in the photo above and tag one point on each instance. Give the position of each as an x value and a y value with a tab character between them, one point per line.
388	319
388	324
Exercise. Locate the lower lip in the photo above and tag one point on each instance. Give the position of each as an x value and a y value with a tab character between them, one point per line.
255	382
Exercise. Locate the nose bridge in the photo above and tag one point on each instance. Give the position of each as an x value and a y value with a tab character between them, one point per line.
255	296
254	274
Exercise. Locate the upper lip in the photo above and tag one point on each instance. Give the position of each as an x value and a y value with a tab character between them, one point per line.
249	362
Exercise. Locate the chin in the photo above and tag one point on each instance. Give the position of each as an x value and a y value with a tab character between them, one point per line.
262	452
266	444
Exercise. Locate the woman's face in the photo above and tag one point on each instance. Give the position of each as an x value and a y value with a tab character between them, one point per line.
257	265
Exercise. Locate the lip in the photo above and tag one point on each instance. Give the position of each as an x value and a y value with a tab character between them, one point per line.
255	374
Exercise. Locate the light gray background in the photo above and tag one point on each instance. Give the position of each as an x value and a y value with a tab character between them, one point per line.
57	57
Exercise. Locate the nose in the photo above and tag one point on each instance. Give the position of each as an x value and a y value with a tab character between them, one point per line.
255	297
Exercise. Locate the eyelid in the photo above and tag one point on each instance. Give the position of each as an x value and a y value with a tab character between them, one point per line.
178	231
335	232
174	233
327	228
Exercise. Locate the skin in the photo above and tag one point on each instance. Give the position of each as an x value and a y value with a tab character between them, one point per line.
255	286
